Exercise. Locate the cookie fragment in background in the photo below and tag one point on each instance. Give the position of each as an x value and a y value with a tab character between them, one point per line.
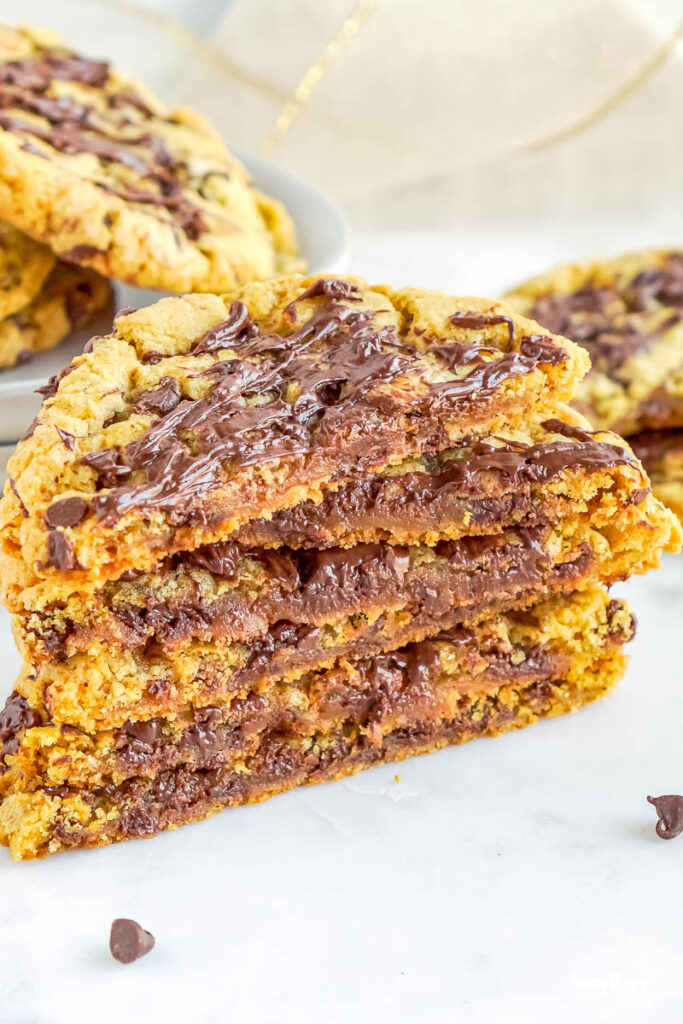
628	314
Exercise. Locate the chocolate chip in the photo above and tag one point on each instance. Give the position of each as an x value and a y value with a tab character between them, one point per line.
220	559
16	716
60	552
146	733
31	430
79	253
15	492
49	390
67	512
108	466
162	399
128	941
670	811
66	438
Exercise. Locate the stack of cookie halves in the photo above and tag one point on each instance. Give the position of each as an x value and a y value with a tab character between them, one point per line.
628	314
277	537
98	177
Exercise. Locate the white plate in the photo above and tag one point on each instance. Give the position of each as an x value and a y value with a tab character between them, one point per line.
324	241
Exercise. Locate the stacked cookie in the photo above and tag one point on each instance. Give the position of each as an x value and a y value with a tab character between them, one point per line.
104	176
41	298
628	314
274	538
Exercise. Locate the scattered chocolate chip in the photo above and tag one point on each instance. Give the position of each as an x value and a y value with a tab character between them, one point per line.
670	811
17	714
67	512
90	343
107	465
49	390
128	941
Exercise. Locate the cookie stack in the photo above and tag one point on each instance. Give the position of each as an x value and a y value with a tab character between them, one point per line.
42	298
274	538
104	176
628	314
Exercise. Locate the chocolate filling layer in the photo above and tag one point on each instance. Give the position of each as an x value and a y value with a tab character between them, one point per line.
282	762
311	588
379	692
447	492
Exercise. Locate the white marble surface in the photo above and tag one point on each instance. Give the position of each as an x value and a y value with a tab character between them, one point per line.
518	878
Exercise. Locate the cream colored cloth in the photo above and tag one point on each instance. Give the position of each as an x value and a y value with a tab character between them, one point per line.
391	92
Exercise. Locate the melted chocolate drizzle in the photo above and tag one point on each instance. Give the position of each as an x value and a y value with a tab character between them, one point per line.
76	128
315	387
598	317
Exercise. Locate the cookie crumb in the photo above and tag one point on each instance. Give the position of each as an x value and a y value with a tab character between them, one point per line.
128	941
670	811
397	778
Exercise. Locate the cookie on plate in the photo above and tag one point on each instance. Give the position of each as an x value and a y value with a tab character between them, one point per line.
41	298
94	166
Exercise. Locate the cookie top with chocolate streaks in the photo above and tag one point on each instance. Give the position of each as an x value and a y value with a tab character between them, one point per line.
93	165
628	314
200	413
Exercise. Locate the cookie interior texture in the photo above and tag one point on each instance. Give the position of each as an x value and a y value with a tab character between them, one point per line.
296	531
628	314
95	167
